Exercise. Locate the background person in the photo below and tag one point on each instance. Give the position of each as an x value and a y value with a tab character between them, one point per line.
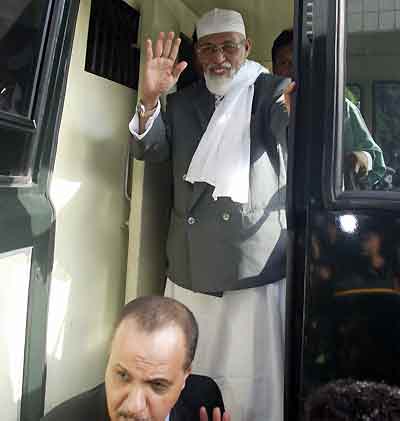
363	155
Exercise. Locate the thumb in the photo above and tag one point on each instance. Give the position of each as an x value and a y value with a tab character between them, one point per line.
179	68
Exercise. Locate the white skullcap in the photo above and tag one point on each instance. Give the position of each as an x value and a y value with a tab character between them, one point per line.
220	20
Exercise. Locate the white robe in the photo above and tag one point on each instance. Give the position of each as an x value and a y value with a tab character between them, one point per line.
241	346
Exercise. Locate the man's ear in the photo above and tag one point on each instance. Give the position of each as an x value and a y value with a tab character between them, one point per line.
247	46
187	374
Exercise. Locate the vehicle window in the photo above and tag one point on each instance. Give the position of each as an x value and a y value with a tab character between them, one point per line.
371	129
21	33
15	155
353	92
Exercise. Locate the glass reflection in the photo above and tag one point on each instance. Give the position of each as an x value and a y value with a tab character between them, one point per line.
371	122
352	324
21	31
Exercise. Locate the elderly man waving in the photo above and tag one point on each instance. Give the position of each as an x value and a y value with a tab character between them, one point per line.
226	137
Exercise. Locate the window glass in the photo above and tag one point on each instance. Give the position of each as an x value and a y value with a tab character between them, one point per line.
353	93
387	121
15	153
371	129
21	32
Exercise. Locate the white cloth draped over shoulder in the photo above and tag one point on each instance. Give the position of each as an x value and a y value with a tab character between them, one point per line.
222	158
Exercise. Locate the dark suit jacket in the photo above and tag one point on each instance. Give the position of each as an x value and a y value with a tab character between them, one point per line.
220	245
91	405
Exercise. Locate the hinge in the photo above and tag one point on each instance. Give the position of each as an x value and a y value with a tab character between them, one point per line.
309	20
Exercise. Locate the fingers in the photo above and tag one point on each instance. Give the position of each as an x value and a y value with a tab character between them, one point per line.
203	414
287	94
159	45
168	44
216	414
290	88
226	417
167	48
149	49
175	49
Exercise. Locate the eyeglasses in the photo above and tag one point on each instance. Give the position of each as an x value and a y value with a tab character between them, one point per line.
227	48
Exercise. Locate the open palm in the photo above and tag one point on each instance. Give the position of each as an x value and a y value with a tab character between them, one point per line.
161	71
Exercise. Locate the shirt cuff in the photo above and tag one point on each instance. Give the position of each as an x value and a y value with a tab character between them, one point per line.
134	124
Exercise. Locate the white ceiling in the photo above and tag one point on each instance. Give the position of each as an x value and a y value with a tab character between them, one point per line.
264	19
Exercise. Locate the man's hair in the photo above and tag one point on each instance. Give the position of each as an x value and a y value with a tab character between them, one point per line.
282	40
152	313
349	400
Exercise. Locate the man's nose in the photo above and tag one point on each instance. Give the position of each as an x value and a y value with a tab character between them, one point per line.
218	56
135	403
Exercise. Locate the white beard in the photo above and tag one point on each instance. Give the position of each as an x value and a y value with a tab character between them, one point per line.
219	85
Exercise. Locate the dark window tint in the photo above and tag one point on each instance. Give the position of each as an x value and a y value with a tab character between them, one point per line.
111	50
21	35
387	120
15	153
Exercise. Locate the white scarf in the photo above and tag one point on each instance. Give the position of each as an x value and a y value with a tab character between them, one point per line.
222	158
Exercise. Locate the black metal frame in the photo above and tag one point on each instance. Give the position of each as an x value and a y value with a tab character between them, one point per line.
315	113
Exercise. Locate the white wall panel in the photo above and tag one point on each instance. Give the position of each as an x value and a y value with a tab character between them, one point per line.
88	280
14	275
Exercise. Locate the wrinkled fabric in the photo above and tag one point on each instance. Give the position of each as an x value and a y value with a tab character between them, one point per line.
241	346
222	158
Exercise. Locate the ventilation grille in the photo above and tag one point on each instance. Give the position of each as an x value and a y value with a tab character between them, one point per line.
113	34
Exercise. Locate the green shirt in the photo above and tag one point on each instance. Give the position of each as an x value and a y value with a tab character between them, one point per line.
358	138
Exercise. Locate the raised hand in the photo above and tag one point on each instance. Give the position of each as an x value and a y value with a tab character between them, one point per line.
161	71
216	415
288	95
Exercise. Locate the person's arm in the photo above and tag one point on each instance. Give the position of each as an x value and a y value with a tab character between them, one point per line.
161	72
281	102
358	142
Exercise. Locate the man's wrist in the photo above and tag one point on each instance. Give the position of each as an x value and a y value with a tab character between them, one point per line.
144	111
149	103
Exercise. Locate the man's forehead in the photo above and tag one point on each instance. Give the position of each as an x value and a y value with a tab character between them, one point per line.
221	37
129	333
159	351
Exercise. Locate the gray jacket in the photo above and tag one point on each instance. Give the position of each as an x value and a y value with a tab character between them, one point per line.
215	246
